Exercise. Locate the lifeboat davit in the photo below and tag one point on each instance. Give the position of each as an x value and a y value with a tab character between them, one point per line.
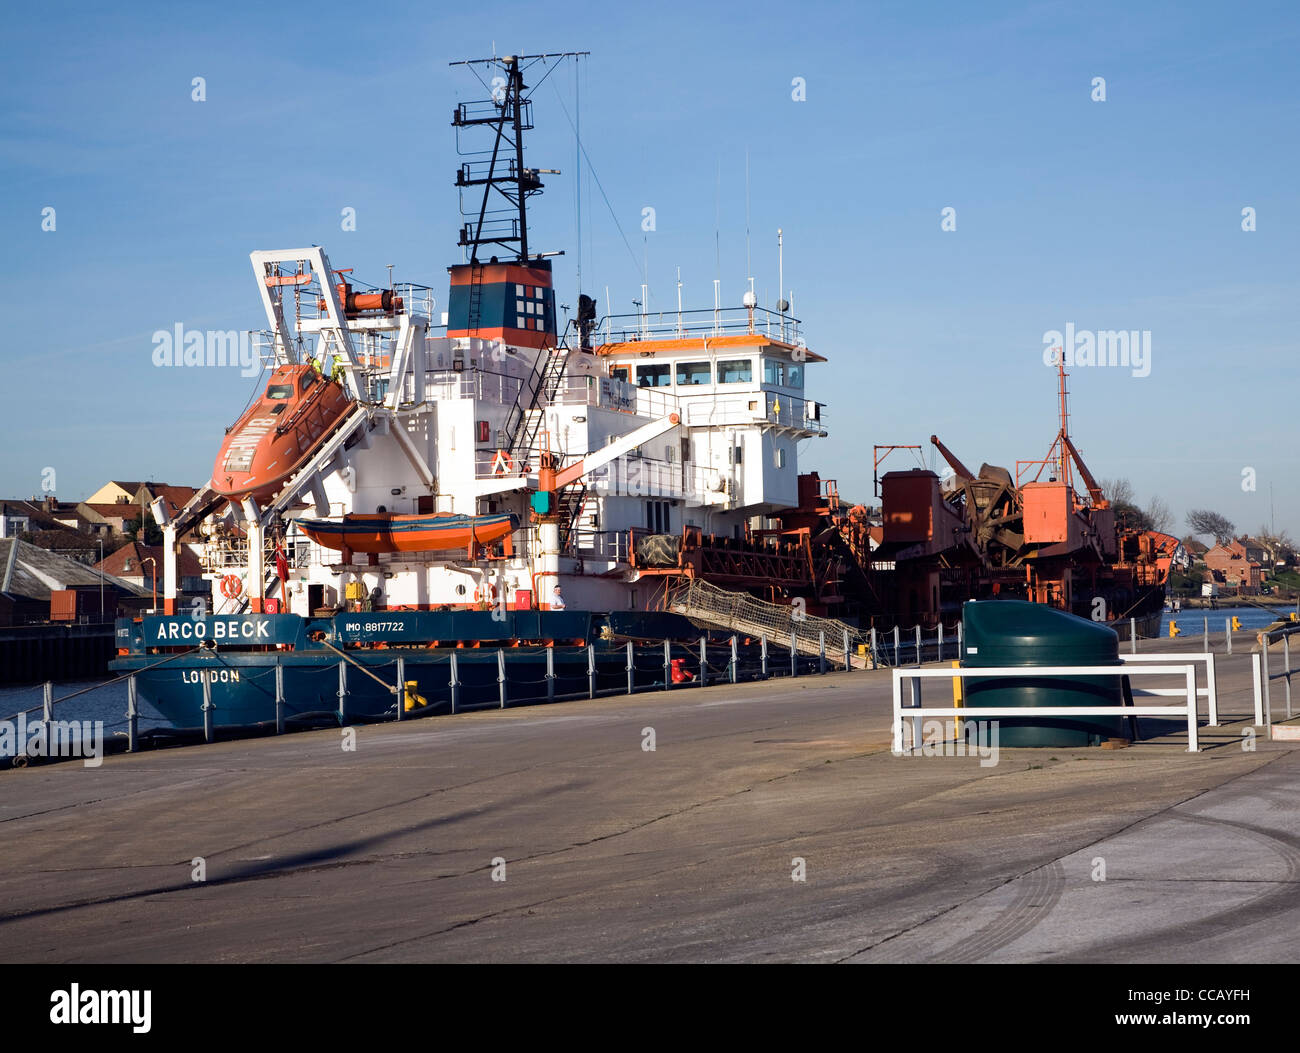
278	432
386	532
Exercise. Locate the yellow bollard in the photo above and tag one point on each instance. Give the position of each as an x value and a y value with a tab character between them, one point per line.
1174	630
1295	617
1236	623
414	700
956	699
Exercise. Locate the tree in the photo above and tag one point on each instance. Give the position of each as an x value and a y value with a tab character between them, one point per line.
151	535
1120	494
1204	521
1277	546
1119	491
1159	516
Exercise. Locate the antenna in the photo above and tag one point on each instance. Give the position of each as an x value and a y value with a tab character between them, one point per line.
749	270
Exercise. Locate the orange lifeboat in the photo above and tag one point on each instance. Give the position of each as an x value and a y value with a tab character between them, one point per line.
278	432
435	532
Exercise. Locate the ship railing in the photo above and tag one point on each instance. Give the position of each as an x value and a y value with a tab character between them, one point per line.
650	477
487	385
694	325
611	393
757	408
609	545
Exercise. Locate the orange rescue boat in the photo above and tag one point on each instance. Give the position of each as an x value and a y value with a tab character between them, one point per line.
278	433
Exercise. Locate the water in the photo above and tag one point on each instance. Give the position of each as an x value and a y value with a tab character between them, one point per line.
1192	620
106	703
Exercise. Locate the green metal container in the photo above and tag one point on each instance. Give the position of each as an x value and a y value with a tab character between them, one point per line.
1016	633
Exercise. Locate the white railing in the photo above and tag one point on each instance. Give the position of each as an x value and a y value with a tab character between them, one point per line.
471	384
1265	674
1210	692
692	325
916	712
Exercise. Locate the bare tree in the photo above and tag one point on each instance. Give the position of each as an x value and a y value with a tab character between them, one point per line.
1159	516
1119	491
1204	521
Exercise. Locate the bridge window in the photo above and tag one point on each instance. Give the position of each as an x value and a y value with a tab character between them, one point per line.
694	373
618	373
736	371
794	375
773	372
654	376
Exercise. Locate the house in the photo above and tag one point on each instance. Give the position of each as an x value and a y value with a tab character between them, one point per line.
28	576
1195	549
108	520
1232	564
115	493
131	564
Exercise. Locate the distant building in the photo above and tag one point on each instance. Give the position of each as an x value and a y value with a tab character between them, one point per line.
1232	564
28	576
131	564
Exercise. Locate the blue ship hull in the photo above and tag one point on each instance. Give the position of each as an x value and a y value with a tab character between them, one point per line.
236	659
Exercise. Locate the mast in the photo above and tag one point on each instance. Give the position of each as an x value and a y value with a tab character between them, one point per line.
500	217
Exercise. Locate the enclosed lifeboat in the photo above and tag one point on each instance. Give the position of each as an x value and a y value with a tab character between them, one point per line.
434	532
278	432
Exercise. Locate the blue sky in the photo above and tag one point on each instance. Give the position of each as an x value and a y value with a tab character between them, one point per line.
1122	214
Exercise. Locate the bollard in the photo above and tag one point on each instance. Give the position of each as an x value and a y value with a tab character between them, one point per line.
918	647
821	652
940	641
875	659
343	691
896	641
959	640
847	652
668	665
454	683
501	676
401	687
132	717
1227	633
704	661
208	732
279	696
591	670
550	674
794	654
631	668
1132	636
735	660
762	643
1205	633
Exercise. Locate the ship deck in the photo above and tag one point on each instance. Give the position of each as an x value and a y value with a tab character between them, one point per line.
681	854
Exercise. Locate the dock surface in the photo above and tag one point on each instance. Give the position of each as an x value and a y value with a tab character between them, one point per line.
614	853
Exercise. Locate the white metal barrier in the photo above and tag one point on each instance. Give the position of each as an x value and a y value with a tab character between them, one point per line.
1210	692
916	712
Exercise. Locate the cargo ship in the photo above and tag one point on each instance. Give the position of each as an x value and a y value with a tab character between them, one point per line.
419	483
425	508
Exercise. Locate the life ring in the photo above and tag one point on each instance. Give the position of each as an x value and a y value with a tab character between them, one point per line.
485	593
231	586
503	464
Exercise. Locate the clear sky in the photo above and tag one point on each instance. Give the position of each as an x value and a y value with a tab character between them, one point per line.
1124	214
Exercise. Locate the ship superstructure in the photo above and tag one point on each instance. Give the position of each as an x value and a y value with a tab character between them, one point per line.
407	457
